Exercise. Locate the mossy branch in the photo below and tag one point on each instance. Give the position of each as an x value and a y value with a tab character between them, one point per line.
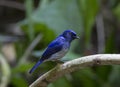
79	63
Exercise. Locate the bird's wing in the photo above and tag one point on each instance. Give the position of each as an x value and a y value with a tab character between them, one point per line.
53	48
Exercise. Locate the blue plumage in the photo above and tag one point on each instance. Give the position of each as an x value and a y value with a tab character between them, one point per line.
57	48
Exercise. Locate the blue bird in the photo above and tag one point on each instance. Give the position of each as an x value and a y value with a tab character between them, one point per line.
57	48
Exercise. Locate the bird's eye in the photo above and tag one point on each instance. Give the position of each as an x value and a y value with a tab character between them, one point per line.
74	34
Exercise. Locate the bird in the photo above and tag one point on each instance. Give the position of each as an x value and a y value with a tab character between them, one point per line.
57	48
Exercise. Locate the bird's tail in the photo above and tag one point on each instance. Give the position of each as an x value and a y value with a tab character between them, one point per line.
35	66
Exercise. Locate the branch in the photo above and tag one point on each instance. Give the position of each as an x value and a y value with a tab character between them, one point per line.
70	66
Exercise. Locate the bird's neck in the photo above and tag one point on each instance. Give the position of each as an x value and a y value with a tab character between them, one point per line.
69	40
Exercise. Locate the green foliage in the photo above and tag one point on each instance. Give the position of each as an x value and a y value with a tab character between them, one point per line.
117	11
5	71
29	7
110	43
50	18
114	76
103	72
61	82
85	78
55	15
18	81
88	9
22	68
47	33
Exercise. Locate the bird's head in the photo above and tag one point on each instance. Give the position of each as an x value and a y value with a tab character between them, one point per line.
70	35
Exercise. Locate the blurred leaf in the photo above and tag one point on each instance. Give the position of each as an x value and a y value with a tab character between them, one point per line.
60	82
114	77
117	11
84	78
48	34
57	16
24	68
51	85
19	81
110	43
103	72
5	71
29	8
89	9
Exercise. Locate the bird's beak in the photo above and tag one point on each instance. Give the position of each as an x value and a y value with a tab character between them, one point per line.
77	37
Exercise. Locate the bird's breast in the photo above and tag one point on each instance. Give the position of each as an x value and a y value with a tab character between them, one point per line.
59	54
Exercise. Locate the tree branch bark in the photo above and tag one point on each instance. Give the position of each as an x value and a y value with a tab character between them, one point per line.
79	63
